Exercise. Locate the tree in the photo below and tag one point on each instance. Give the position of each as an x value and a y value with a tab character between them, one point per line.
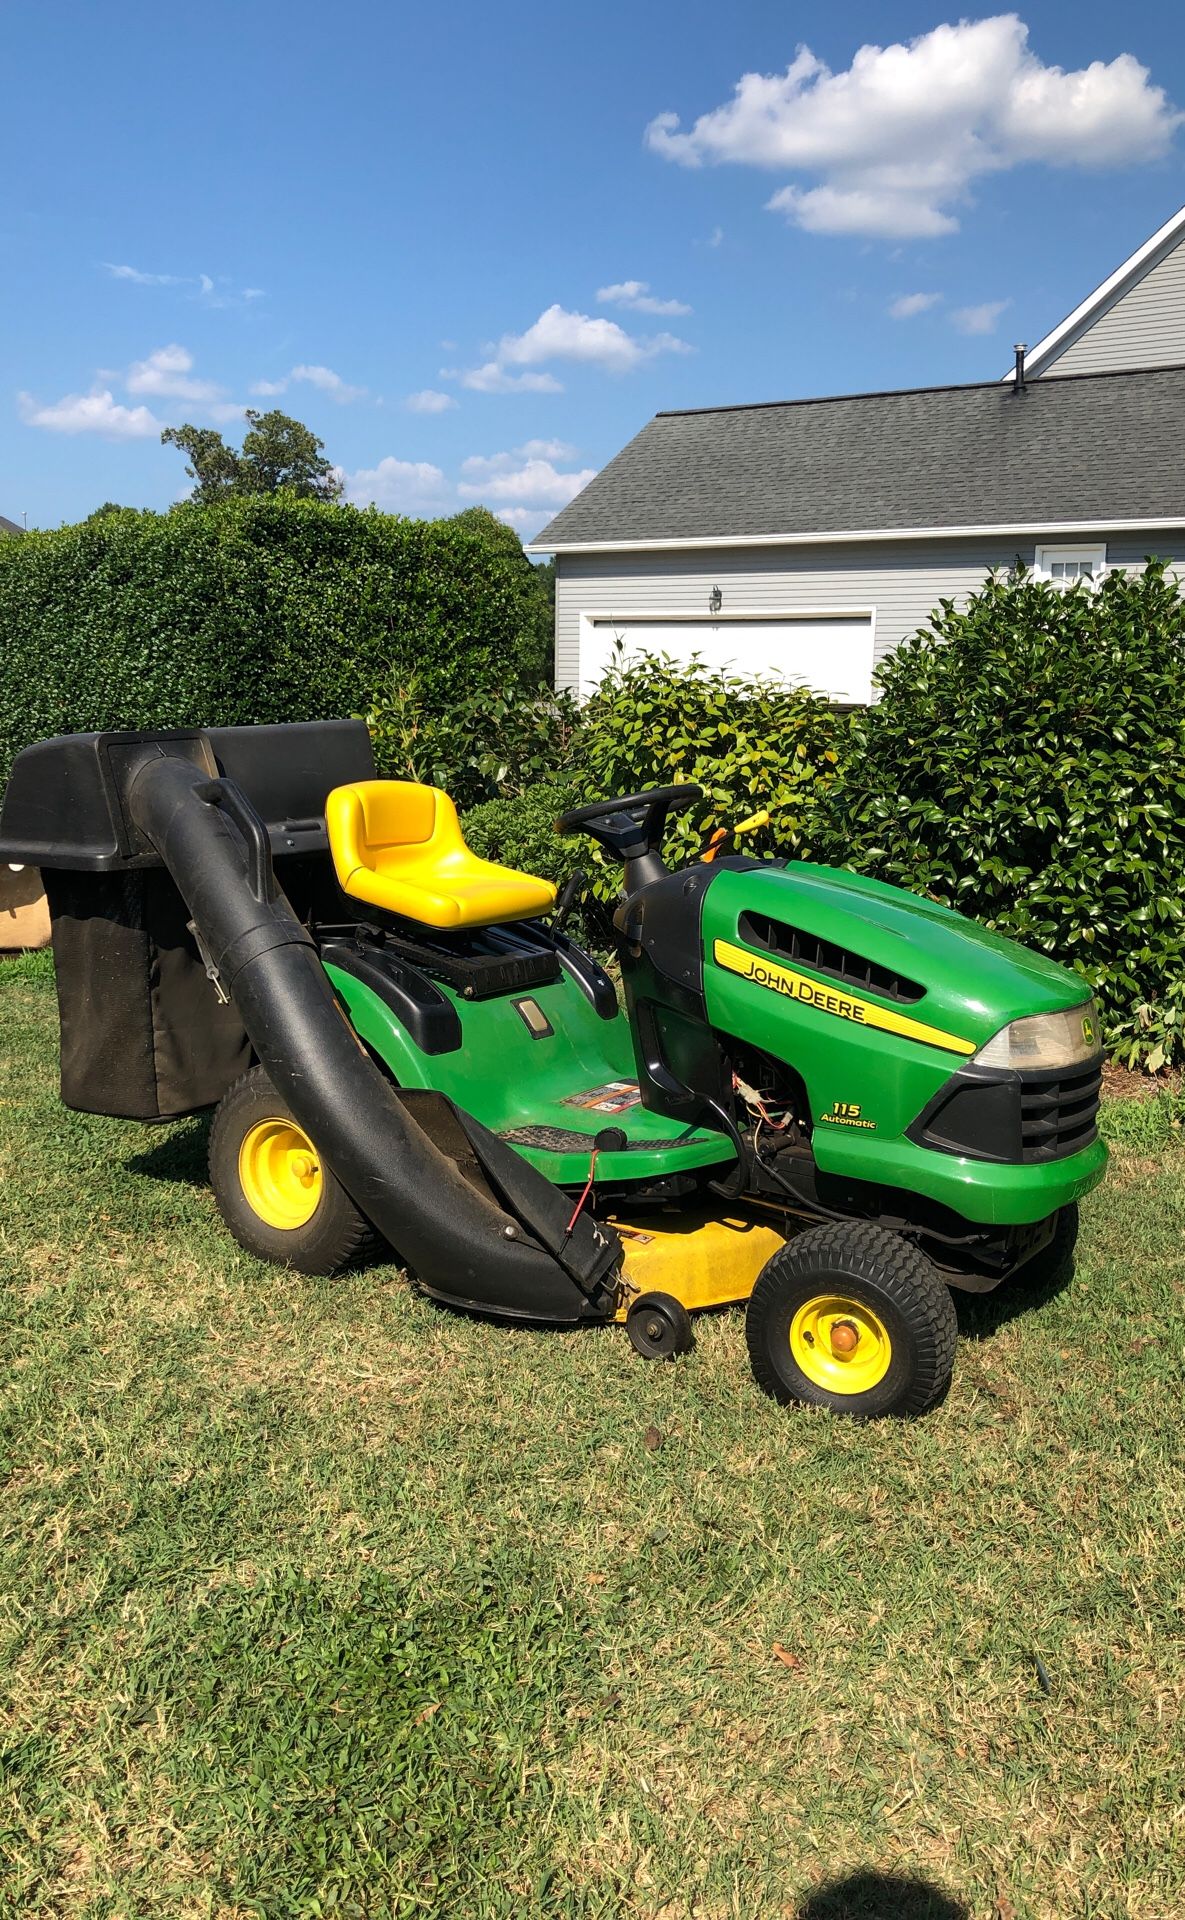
105	511
488	527
279	454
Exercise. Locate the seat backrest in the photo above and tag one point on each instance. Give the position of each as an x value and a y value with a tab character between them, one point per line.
373	817
396	813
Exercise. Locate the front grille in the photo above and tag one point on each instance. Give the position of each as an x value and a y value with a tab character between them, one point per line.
1015	1119
1059	1116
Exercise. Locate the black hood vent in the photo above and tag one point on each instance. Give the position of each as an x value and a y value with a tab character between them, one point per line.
823	956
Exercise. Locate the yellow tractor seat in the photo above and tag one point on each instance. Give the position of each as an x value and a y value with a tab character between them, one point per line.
398	845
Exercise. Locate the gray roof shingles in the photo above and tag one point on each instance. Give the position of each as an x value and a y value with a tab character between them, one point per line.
1070	450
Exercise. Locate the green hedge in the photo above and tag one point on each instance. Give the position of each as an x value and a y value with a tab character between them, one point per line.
1026	764
254	610
750	744
521	832
478	746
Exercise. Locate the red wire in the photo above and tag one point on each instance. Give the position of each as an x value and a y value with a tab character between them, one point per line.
592	1167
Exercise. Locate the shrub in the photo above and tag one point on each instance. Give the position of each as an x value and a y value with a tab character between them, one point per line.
521	832
477	746
750	744
1026	764
261	609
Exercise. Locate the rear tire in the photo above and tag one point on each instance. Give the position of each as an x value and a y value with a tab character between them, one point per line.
854	1319
274	1192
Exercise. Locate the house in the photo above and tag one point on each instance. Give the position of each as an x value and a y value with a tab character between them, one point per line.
812	536
9	526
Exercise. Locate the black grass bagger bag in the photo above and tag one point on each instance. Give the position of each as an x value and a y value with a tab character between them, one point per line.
144	1036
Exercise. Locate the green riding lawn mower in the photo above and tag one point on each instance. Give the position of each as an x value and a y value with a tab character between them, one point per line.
825	1097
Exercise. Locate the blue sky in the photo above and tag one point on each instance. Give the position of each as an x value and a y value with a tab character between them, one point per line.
476	251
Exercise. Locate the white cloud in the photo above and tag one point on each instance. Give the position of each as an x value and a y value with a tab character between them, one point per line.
716	237
429	400
323	378
525	478
525	520
400	486
209	292
492	378
523	485
636	295
535	483
165	374
861	210
980	319
907	305
560	334
896	140
328	382
544	450
96	412
144	279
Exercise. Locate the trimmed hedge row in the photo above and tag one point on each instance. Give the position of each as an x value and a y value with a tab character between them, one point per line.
262	609
1026	764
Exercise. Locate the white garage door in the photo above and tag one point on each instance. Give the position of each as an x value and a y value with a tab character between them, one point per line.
832	653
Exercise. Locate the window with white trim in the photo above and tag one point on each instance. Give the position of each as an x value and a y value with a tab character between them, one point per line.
1064	565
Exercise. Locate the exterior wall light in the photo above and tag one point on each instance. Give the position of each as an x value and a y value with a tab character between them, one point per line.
715	600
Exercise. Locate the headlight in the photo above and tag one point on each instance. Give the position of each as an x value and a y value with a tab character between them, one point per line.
1045	1041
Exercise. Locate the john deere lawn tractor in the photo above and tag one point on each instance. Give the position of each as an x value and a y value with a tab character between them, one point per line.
824	1097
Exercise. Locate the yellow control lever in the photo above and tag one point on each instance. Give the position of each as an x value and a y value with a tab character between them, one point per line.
723	834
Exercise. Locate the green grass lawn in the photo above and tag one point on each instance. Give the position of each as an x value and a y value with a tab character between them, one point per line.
318	1600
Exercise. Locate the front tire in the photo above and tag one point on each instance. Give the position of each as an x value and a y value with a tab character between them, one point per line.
273	1190
854	1319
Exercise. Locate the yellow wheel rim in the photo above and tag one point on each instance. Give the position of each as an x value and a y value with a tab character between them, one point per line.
840	1344
280	1174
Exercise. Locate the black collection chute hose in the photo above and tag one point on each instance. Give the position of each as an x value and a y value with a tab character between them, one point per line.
460	1242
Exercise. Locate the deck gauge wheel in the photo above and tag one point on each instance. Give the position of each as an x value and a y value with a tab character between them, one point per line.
659	1327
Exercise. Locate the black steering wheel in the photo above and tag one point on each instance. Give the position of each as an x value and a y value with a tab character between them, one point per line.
632	826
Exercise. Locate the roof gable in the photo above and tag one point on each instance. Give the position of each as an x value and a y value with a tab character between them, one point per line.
1135	318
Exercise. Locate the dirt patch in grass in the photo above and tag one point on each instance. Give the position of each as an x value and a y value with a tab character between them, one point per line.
1121	1083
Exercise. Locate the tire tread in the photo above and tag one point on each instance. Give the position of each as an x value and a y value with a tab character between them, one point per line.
872	1253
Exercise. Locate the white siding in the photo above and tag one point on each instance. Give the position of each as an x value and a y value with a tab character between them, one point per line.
899	584
1143	326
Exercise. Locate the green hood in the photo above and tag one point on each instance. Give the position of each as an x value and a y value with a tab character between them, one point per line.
974	981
